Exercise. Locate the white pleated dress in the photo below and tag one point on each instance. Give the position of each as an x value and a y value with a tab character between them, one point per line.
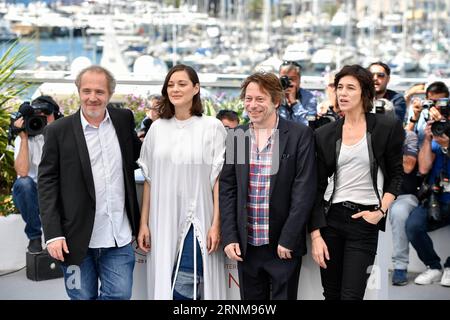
182	160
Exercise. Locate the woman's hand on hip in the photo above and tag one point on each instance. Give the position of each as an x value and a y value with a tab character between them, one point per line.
372	217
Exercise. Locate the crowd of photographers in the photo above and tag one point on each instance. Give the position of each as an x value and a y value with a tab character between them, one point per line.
423	205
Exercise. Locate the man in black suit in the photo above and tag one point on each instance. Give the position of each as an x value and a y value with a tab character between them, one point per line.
266	192
87	192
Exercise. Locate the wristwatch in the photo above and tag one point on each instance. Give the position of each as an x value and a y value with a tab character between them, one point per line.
412	120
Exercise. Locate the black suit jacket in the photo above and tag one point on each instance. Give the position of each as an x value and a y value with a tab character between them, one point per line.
292	188
66	186
385	136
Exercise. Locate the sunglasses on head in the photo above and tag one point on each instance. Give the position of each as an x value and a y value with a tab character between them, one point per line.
379	74
291	63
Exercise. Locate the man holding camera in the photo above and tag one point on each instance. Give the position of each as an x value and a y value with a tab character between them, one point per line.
421	110
299	103
27	155
434	212
381	75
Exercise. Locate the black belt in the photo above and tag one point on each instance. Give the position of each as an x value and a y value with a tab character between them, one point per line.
355	206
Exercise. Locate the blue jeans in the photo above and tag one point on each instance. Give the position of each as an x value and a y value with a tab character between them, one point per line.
184	283
112	266
417	228
398	214
25	198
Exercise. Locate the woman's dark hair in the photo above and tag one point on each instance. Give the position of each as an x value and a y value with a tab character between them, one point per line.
365	80
166	109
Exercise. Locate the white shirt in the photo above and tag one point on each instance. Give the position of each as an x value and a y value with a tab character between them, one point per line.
354	182
35	145
111	223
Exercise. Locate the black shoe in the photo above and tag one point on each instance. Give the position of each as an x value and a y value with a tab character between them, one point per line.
34	246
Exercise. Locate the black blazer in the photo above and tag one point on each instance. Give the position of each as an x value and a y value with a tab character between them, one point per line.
385	137
292	188
66	187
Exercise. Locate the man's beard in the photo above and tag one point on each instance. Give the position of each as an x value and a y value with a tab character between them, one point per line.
94	114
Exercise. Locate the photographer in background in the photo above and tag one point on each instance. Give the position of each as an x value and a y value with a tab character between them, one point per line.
151	115
418	117
381	74
298	102
229	118
27	156
433	213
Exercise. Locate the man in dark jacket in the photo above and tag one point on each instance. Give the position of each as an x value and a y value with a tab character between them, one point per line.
266	192
381	76
87	192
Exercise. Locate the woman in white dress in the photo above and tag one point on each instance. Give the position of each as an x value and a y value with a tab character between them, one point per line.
181	158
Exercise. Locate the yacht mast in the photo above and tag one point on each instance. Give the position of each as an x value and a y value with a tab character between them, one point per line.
266	22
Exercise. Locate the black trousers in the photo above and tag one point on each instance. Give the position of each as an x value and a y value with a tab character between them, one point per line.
352	245
263	275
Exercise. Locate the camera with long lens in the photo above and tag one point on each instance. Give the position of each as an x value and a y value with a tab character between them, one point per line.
438	128
285	82
316	121
34	115
434	209
423	192
428	195
441	185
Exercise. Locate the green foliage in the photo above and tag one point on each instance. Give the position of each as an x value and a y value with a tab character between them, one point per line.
137	104
10	88
212	108
6	205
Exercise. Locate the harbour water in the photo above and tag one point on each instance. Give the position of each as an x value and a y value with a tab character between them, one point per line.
68	47
76	47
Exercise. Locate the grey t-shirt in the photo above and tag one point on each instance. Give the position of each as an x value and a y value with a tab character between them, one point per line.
354	182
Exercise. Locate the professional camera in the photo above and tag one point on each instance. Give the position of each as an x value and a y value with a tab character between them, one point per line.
434	209
315	121
380	106
384	106
431	192
441	127
423	192
35	116
285	82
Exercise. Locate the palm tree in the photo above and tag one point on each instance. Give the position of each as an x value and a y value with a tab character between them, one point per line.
10	87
